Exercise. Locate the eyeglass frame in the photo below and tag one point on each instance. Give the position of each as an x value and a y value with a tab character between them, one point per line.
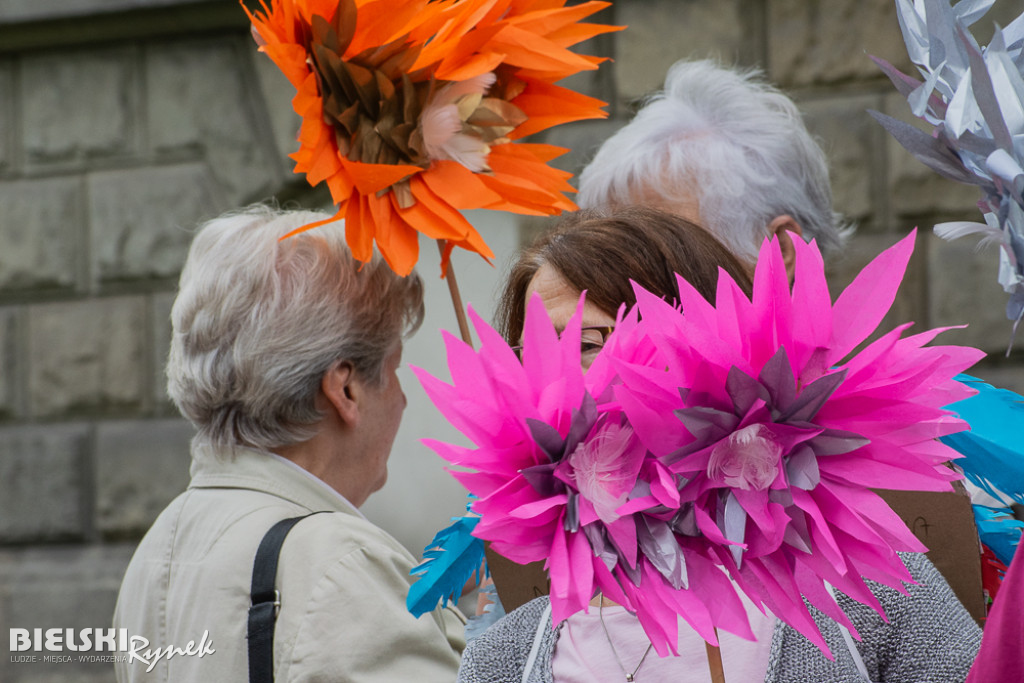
605	331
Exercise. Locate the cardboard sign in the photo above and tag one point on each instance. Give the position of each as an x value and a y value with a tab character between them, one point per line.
516	584
945	523
942	521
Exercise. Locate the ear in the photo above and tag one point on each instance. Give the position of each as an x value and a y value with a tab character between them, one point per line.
339	388
784	228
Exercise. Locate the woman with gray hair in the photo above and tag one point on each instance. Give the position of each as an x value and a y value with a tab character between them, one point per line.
727	150
283	356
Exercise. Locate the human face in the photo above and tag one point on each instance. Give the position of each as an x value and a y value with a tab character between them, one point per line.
560	300
381	414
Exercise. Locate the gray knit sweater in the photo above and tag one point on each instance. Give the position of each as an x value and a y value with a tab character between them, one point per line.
930	638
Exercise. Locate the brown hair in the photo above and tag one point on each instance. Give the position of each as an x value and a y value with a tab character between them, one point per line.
601	251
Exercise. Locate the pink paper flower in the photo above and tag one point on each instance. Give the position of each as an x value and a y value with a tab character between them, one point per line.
776	433
709	448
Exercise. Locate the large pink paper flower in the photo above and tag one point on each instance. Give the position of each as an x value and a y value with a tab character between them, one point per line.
556	468
708	443
775	433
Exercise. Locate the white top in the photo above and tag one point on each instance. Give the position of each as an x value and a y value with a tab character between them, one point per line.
582	654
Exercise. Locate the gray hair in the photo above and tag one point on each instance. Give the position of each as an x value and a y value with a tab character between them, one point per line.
728	140
258	321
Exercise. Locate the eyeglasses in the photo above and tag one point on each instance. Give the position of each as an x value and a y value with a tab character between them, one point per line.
592	340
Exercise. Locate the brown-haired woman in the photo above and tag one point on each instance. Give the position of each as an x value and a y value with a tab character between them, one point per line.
600	252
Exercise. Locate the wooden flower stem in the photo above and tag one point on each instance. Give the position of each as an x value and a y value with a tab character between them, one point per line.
715	662
453	289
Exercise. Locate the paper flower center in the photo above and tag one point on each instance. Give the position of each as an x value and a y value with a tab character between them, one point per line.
605	468
747	459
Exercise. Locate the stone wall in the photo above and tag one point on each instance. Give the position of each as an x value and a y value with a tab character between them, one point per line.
124	122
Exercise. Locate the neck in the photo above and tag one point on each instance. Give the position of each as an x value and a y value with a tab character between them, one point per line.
318	456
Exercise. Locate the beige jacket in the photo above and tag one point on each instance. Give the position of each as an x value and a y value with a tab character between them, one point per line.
343	583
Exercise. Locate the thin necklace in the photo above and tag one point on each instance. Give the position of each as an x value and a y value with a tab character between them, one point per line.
630	677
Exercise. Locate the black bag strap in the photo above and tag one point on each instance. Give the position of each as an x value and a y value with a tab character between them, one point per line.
266	601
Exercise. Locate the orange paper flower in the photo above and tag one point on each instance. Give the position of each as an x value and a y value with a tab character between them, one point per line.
409	109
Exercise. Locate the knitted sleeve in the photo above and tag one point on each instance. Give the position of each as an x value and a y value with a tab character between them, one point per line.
930	635
499	655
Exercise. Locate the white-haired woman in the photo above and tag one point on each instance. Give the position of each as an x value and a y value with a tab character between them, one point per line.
283	357
727	150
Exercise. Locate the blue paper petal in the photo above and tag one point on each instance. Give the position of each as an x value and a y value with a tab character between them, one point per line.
993	449
449	561
998	529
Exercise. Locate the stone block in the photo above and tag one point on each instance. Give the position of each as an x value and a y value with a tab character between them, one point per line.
40	233
862	248
915	189
8	367
962	289
160	305
87	356
200	98
140	467
60	587
277	100
7	101
850	138
661	32
44	483
142	220
12	11
582	140
78	105
1002	374
819	41
599	82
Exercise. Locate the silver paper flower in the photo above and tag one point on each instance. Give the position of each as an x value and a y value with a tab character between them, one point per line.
974	99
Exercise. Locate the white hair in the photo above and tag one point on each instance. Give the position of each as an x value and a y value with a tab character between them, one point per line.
258	321
728	140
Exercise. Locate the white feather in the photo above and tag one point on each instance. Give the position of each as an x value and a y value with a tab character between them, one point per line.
957	229
441	124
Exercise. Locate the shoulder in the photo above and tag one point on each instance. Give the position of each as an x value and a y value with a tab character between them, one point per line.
343	616
346	556
337	534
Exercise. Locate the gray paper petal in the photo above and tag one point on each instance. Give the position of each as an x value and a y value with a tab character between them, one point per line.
777	377
707	424
603	548
541	478
659	546
802	468
735	526
744	390
582	422
928	150
813	397
981	85
797	533
547	437
685	521
837	442
904	84
793	538
572	512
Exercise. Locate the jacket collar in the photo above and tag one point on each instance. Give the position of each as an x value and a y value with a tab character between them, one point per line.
268	473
